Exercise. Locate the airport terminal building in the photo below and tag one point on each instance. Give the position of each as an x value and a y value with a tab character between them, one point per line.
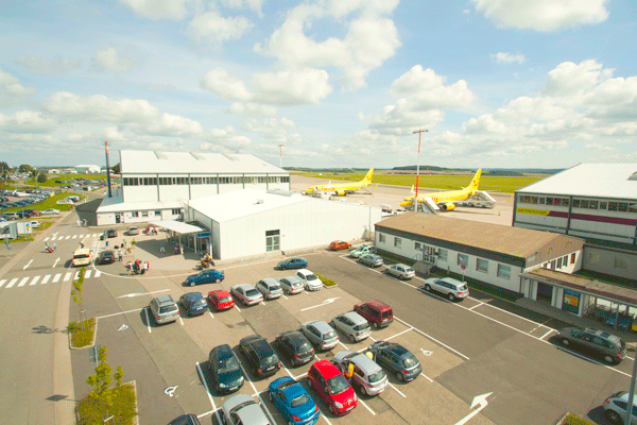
597	202
156	184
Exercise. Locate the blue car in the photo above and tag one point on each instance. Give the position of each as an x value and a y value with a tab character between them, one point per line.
292	263
293	402
194	303
206	276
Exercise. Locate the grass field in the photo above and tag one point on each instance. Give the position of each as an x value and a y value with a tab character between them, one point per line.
493	184
66	179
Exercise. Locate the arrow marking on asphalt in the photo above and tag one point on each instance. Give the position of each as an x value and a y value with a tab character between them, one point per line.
481	402
326	302
139	294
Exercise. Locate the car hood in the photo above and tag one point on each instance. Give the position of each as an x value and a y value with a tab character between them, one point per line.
231	378
346	398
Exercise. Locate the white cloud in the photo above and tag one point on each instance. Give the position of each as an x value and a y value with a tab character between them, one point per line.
371	39
55	66
11	91
275	130
223	139
570	79
216	29
290	87
253	110
543	15
158	9
26	122
502	57
159	87
108	58
254	5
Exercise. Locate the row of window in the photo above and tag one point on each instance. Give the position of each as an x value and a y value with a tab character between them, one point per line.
169	181
577	203
137	214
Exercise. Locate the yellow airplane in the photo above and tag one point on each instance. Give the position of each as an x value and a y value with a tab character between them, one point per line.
344	188
445	200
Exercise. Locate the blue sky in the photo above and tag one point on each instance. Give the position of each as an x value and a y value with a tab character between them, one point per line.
498	83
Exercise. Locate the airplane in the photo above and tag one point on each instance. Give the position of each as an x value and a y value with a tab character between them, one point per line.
445	200
343	188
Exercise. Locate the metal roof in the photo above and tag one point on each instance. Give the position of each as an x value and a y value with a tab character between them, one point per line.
156	162
590	180
178	226
513	241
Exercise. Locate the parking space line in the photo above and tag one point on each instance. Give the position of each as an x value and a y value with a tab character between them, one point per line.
287	370
68	237
296	378
74	236
432	338
237	307
211	315
477	305
121	312
549	332
397	390
399	333
97	273
181	321
67	276
284	297
430	380
212	402
28	264
147	320
326	420
266	409
366	406
247	378
344	346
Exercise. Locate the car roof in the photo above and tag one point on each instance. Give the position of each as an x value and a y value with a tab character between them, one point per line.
354	317
326	368
164	299
361	360
223	351
296	337
320	325
452	281
291	279
253	415
269	281
220	293
305	272
232	402
293	390
396	349
106	253
194	295
260	345
378	304
244	286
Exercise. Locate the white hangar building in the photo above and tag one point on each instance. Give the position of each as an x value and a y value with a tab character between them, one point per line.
156	184
250	223
597	202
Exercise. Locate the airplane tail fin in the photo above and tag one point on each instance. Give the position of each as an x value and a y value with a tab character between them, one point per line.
413	192
368	176
476	180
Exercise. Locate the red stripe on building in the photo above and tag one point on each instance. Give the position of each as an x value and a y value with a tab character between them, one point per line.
596	218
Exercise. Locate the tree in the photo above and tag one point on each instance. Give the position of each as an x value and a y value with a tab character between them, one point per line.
25	168
4	167
117	168
42	178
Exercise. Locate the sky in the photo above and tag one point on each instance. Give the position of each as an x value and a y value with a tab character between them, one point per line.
338	83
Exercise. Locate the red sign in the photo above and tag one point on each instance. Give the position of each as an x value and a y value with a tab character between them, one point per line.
463	267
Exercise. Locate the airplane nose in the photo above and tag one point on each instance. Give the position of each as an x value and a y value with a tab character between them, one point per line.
405	203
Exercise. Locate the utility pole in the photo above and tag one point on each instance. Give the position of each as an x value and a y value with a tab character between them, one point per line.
108	171
280	156
420	131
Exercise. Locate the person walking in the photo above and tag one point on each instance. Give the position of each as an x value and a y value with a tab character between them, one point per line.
162	248
119	254
55	246
350	372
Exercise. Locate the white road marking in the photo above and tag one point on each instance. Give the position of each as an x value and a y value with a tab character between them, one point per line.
432	338
284	297
370	337
57	277
122	312
247	378
477	305
27	265
67	276
210	313
366	406
212	402
399	333
430	380
548	333
68	237
237	307
74	236
34	281
267	410
23	282
139	294
45	280
88	274
398	391
77	276
97	273
55	262
13	282
2	282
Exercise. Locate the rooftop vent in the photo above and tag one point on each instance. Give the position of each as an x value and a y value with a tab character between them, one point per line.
161	155
231	158
633	177
198	156
260	201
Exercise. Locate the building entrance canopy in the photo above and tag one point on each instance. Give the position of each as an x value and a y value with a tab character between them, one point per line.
178	226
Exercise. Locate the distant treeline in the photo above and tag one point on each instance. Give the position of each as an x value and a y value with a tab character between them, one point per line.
508	172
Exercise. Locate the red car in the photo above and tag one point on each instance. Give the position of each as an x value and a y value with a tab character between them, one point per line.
340	245
220	300
330	384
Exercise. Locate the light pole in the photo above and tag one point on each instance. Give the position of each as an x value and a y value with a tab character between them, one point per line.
420	131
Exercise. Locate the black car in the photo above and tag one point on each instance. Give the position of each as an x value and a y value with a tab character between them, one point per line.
194	303
261	357
397	359
187	419
225	370
111	233
296	347
106	257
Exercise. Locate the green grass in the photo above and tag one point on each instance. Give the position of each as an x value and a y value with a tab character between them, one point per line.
80	336
66	179
49	203
494	184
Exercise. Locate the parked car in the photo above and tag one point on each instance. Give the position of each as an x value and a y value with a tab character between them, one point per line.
340	245
10	216
133	230
206	276
292	263
615	407
106	257
402	271
225	369
291	285
597	343
163	309
111	233
353	325
448	286
261	357
81	257
270	288
310	281
332	387
293	402
194	303
320	334
378	313
295	347
187	419
397	359
220	300
364	249
50	211
371	260
243	410
35	224
246	293
368	376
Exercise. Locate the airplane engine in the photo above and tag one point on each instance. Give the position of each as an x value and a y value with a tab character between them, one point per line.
340	193
448	206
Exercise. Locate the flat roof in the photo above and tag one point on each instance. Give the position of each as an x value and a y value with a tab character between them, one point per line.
593	180
513	241
177	226
159	162
116	204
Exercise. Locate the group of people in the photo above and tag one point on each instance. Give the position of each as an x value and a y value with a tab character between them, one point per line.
50	248
206	261
140	267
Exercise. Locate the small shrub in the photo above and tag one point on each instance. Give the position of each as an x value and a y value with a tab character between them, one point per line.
326	281
572	419
82	334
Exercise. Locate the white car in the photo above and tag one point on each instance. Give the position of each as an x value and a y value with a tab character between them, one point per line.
353	325
50	211
452	288
309	279
242	409
369	377
402	271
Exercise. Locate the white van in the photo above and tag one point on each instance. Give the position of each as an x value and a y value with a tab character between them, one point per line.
81	257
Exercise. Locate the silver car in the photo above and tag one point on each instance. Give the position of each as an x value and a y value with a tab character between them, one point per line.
371	260
353	325
164	309
270	288
364	249
368	376
242	409
291	285
452	288
320	334
246	293
310	280
402	271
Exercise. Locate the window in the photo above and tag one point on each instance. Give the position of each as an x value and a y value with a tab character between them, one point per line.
272	240
584	203
482	265
565	202
134	214
559	263
549	201
602	205
504	272
541	201
381	237
285	179
176	211
622	207
565	260
620	263
463	259
593	205
418	246
442	255
575	203
612	206
398	242
144	213
572	258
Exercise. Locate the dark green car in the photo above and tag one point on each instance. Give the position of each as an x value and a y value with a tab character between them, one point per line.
225	370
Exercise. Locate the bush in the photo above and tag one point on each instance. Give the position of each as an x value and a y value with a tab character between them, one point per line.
82	333
327	282
572	419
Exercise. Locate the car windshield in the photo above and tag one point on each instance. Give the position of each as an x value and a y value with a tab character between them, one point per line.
300	400
410	362
252	292
269	361
329	335
225	299
337	384
361	327
311	277
167	308
274	288
242	405
81	256
304	347
377	377
296	284
200	302
228	365
462	288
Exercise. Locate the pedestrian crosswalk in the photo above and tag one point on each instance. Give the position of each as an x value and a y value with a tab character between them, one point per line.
67	237
18	282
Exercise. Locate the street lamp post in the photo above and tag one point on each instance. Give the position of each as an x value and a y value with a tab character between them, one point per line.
419	131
